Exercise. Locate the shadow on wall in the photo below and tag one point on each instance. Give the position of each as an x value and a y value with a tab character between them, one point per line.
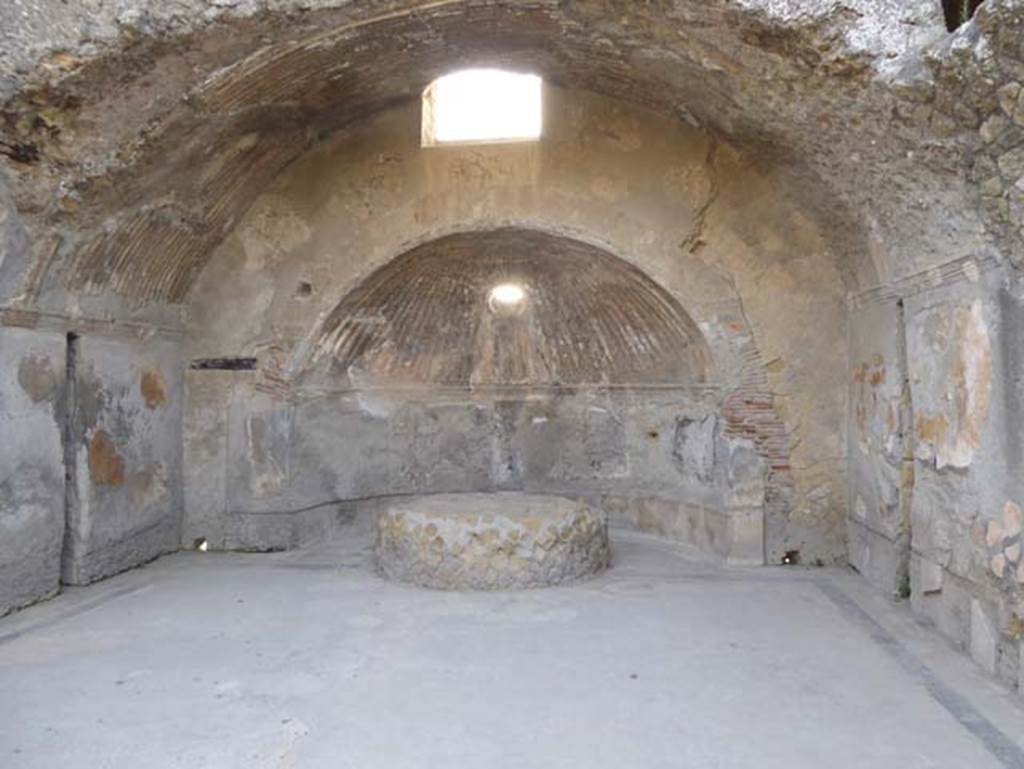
959	12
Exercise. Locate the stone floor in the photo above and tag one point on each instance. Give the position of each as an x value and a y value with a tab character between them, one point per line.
308	659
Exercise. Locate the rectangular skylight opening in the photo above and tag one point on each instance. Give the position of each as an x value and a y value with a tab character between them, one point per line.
482	106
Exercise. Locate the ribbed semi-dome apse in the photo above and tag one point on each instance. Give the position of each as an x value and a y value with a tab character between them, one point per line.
512	307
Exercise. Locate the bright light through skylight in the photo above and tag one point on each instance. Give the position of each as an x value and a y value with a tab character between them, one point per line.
507	293
482	105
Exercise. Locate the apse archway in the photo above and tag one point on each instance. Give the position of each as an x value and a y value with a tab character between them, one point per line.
508	307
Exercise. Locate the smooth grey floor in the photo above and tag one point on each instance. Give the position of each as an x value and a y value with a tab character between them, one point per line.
310	660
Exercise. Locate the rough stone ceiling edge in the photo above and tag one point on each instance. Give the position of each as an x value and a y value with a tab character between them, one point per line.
111	93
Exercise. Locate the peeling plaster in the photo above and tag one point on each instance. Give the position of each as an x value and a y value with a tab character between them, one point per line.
951	419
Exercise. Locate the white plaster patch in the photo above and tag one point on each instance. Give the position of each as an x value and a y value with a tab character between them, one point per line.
376	404
1013	520
998	565
956	388
860	510
931	577
994	535
983	638
264	443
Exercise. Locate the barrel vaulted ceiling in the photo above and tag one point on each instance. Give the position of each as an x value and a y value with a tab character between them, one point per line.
135	135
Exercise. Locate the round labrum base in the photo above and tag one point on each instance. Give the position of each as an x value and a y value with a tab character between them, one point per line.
491	541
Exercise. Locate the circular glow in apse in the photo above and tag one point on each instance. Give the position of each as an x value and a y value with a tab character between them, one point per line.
507	294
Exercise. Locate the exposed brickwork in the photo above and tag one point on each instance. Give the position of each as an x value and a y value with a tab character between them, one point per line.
749	412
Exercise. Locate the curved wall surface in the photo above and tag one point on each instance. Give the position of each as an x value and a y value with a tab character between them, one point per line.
714	241
831	191
576	315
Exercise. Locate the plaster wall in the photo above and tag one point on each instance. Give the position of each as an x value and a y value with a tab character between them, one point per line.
90	468
880	447
125	456
692	213
31	465
287	472
949	511
966	571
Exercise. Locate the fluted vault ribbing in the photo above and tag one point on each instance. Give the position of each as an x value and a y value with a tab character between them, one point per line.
585	317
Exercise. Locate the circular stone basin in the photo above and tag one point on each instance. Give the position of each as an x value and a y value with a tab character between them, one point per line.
490	541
